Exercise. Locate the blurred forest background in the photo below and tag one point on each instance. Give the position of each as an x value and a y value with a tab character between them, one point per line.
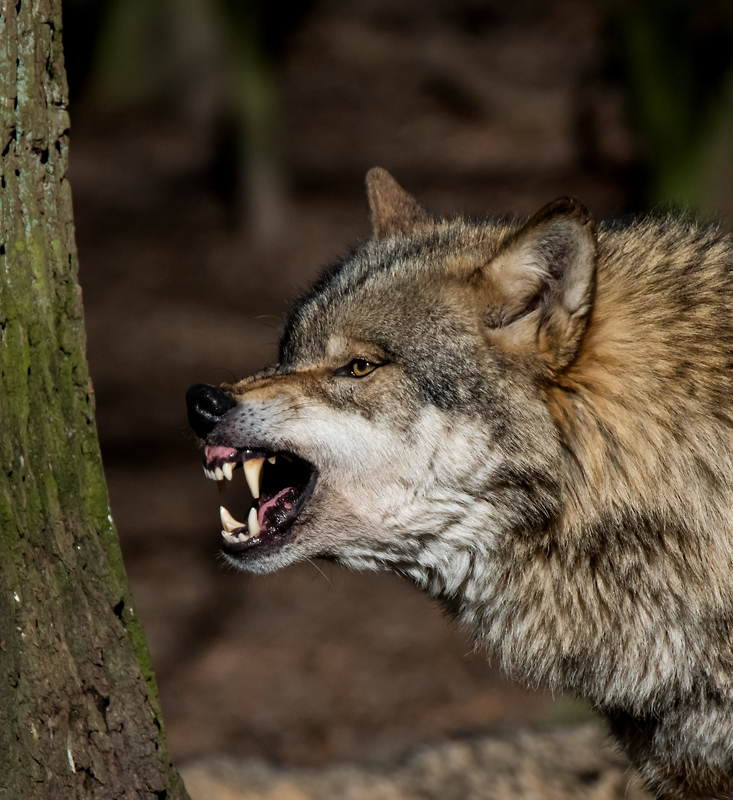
218	151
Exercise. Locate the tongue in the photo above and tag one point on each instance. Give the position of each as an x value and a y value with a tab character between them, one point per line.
271	502
278	509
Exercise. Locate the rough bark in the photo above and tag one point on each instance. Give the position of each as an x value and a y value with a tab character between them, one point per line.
79	712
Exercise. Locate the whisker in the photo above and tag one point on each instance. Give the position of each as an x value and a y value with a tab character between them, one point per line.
326	577
276	326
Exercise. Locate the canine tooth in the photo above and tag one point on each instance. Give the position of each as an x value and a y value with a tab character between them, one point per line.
227	520
227	470
253	474
272	459
253	522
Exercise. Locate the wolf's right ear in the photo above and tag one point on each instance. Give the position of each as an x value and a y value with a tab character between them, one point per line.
539	288
392	209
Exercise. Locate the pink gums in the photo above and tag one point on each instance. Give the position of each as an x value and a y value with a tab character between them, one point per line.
224	453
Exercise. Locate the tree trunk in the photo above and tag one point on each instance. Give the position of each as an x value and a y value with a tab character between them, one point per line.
79	711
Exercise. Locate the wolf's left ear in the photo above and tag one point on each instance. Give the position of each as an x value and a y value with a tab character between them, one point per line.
391	208
541	284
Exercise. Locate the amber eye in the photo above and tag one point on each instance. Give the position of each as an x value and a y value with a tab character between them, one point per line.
360	367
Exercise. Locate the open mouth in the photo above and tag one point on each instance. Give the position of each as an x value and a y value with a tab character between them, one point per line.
280	483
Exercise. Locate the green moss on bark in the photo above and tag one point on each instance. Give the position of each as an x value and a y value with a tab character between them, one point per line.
79	709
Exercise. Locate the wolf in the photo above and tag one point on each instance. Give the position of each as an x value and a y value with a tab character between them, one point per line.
532	420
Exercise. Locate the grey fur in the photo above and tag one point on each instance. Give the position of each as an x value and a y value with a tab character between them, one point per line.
545	446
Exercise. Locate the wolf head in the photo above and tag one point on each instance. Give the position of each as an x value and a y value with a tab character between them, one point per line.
534	424
404	425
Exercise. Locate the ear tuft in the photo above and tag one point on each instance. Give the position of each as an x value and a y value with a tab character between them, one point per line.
392	209
542	282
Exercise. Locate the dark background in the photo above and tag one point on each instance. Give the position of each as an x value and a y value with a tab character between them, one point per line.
218	152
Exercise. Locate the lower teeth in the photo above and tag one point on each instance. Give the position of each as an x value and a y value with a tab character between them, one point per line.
230	525
252	522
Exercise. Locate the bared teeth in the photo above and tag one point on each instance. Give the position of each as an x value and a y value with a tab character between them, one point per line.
219	473
228	522
272	459
252	522
253	474
230	525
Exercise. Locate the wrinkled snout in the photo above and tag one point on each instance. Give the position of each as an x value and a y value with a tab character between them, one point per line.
206	406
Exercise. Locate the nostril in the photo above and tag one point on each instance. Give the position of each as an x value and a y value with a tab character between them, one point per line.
206	405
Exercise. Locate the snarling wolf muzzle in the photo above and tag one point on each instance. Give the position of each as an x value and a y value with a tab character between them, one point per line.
532	420
280	483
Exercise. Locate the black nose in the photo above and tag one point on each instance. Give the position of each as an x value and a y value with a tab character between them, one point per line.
206	405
